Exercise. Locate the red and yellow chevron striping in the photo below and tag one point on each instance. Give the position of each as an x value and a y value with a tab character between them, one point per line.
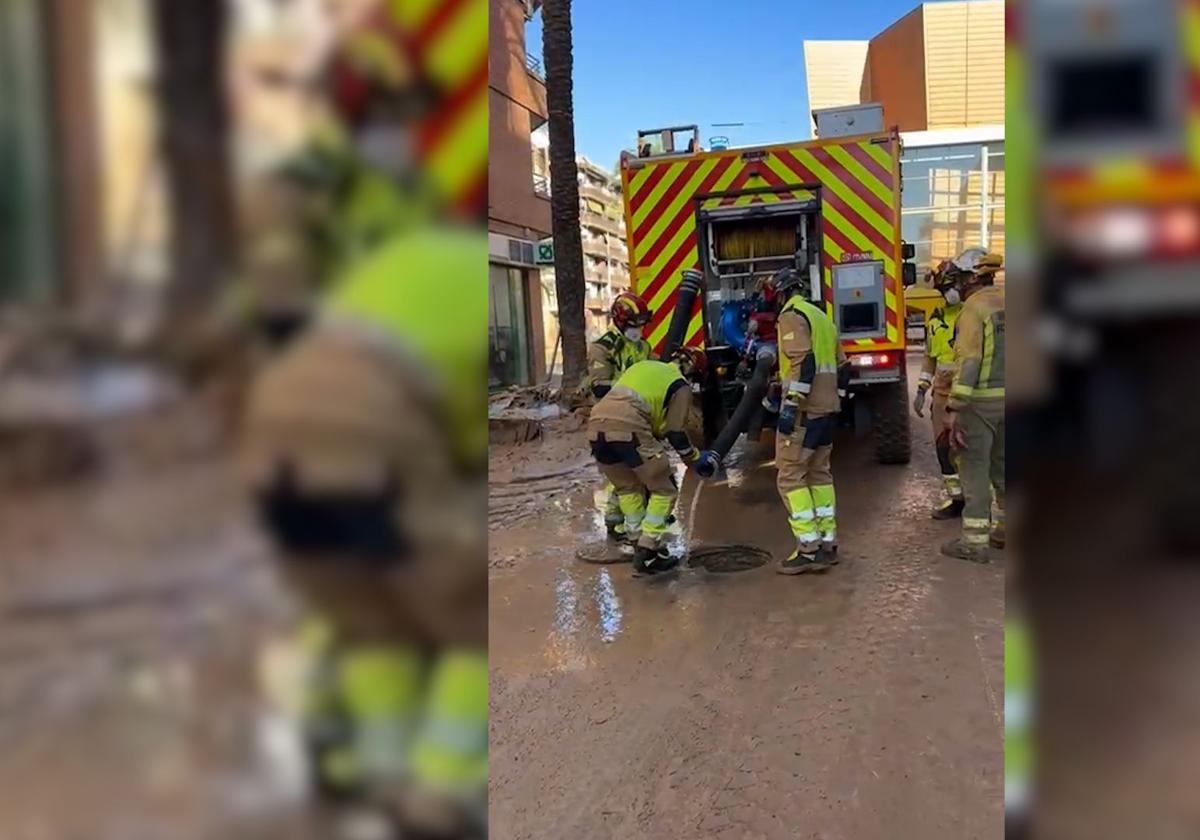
854	179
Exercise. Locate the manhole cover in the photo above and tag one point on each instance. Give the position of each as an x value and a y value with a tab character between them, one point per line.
604	552
723	559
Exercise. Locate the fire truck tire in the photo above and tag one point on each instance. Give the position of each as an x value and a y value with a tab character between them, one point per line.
891	436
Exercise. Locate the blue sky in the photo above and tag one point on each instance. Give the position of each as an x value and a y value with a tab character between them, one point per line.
648	63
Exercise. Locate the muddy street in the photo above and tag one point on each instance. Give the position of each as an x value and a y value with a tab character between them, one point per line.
859	704
140	620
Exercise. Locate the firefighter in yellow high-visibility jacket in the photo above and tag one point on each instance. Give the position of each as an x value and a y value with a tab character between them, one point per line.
618	349
937	374
975	410
811	367
366	451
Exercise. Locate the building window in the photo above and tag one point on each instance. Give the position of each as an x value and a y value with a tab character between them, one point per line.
508	330
953	199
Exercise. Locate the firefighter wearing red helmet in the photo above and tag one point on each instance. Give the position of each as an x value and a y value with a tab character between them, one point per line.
621	345
610	355
647	405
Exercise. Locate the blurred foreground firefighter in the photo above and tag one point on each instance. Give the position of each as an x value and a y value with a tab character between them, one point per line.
366	449
649	403
614	352
937	375
975	409
812	367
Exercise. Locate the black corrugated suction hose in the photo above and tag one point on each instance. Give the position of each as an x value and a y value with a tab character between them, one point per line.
752	397
689	287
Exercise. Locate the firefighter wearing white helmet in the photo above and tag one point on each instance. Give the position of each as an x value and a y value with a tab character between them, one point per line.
975	409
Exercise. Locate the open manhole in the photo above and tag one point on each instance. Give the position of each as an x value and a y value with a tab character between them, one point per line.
723	559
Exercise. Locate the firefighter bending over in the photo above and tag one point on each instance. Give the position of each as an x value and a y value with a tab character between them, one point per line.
619	348
648	404
812	367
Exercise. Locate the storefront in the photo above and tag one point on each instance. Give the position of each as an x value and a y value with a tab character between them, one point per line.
514	327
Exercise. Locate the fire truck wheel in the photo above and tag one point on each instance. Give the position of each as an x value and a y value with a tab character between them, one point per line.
890	433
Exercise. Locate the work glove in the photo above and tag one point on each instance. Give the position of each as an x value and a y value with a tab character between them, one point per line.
707	464
787	419
919	400
954	430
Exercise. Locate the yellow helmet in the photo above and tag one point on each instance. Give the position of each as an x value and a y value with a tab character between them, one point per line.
987	266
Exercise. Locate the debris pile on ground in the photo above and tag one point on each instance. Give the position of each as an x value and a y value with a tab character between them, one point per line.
517	415
72	401
524	473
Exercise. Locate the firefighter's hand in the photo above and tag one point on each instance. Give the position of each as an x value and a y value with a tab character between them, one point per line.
707	464
919	401
787	419
954	431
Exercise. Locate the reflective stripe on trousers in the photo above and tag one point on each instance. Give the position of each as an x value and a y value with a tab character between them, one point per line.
654	525
802	517
825	503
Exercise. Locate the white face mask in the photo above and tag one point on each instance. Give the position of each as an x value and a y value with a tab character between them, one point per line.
633	333
385	147
953	298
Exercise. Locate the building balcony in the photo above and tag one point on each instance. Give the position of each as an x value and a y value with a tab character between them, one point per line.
605	196
606	224
541	185
597	304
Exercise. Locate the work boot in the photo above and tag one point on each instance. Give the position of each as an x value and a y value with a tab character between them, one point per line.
962	550
798	563
651	561
829	552
616	530
996	539
949	509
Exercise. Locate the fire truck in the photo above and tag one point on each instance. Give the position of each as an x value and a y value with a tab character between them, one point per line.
705	227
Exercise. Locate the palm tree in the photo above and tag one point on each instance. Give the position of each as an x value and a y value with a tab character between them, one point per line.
190	41
564	189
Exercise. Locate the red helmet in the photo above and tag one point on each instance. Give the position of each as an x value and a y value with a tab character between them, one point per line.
629	310
693	363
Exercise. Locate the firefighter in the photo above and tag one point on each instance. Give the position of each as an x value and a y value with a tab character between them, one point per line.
373	493
609	356
975	409
812	367
937	372
365	449
649	403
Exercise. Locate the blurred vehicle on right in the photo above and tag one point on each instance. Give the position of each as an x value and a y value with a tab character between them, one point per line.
1110	136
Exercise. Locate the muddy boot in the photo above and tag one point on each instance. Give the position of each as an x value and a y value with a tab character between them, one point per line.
962	550
949	509
996	538
829	553
650	561
616	530
797	563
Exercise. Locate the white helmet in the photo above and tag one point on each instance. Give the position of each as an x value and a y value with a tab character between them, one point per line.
968	259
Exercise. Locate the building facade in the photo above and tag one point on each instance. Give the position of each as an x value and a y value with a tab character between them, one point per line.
938	72
518	208
605	253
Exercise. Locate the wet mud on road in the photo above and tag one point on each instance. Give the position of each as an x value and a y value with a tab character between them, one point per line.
862	703
139	618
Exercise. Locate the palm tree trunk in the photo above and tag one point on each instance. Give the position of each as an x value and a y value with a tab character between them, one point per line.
564	189
190	44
